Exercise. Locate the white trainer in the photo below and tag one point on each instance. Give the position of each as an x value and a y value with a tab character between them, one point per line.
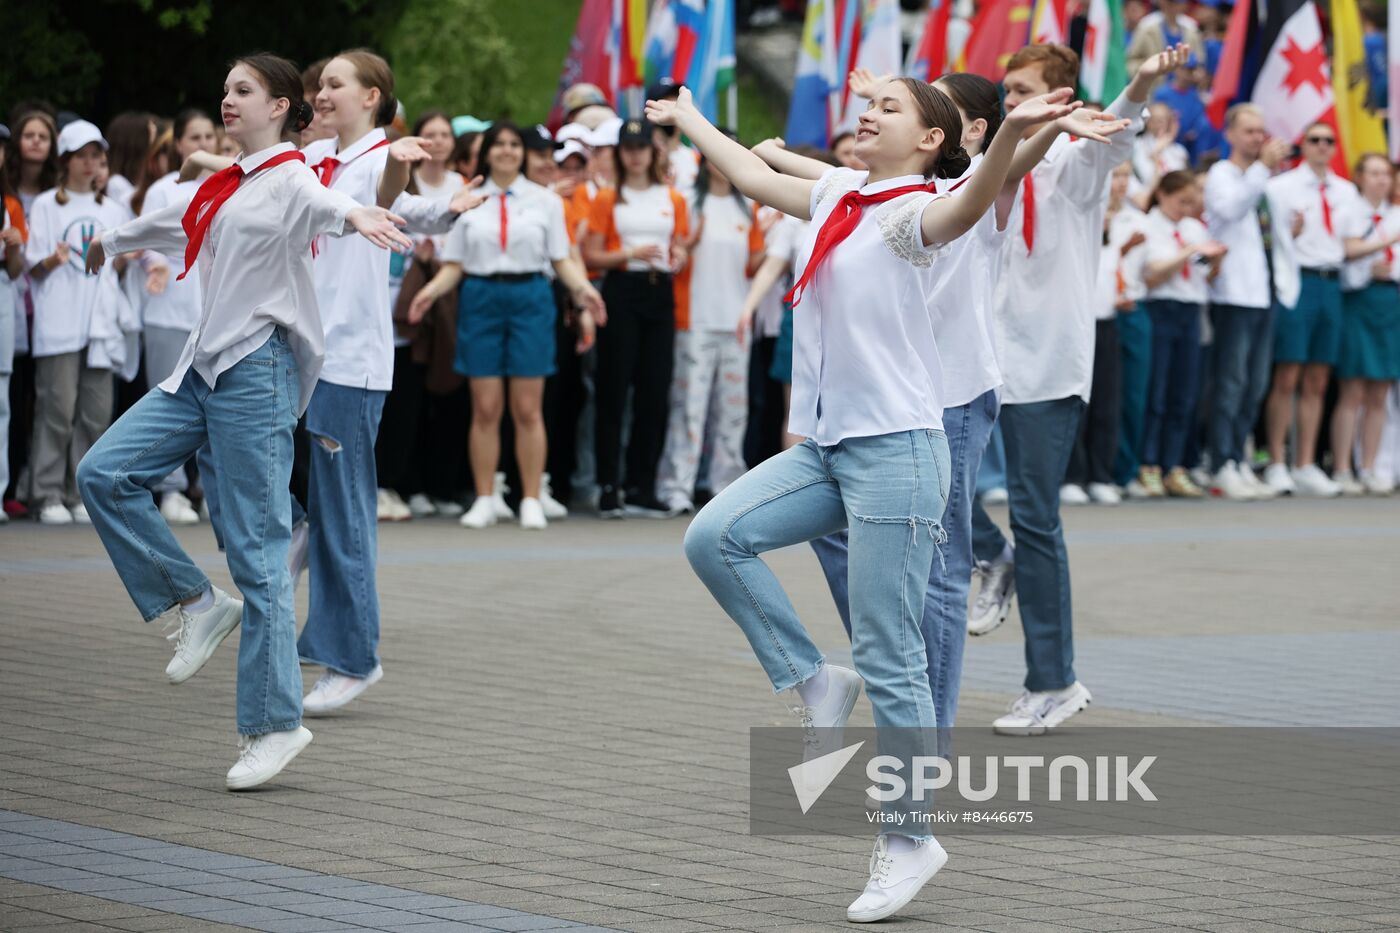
895	879
993	602
176	509
1104	494
1071	494
1262	490
1228	484
482	514
1201	477
997	495
1277	478
262	757
421	506
80	515
55	513
1311	481
1348	484
450	508
296	552
1036	713
200	634
824	723
393	507
1376	485
334	690
1136	490
498	498
532	515
554	510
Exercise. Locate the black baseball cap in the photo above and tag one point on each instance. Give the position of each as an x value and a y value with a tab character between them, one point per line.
537	138
662	88
636	131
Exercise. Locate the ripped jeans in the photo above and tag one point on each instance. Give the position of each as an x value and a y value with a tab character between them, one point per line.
889	491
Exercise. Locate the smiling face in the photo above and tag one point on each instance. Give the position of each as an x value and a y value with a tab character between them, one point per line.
507	155
247	107
343	102
199	136
891	130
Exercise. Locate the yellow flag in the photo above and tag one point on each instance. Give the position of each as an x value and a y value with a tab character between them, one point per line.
1360	129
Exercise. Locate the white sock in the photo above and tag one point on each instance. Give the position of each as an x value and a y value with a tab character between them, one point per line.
898	845
203	603
813	689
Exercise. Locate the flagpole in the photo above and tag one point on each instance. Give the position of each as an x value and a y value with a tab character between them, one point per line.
733	106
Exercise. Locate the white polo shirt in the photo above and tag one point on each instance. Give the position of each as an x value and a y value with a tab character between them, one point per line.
1300	191
1165	239
962	304
1043	324
177	307
719	261
254	267
1361	223
865	360
536	236
1232	197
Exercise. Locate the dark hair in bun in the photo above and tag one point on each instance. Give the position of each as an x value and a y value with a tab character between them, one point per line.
937	111
282	79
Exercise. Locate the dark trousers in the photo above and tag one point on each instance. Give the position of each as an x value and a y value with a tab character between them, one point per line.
1171	399
635	351
442	443
21	419
1091	461
763	436
1135	354
398	429
565	396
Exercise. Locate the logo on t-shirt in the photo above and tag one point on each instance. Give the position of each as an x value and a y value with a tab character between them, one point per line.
79	236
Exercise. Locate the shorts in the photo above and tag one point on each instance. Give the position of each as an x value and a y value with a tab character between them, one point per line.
1311	332
505	327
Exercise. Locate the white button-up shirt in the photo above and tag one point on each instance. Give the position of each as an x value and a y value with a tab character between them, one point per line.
177	307
254	267
536	236
1300	191
1232	197
865	360
1044	322
1360	223
962	305
1165	240
65	298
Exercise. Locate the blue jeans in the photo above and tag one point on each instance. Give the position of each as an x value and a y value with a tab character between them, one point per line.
342	622
1135	347
944	622
890	491
247	420
1039	437
992	473
1176	367
1244	345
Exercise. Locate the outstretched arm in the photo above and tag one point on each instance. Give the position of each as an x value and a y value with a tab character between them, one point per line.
774	152
404	153
745	170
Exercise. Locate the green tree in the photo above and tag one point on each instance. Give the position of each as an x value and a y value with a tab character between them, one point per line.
452	54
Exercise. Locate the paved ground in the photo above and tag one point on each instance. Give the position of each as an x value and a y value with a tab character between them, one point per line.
560	741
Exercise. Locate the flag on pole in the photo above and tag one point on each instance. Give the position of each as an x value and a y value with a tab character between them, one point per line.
1226	88
1001	27
712	66
1393	40
838	57
1103	71
626	38
586	60
1050	23
930	54
1294	84
1358	129
807	112
880	50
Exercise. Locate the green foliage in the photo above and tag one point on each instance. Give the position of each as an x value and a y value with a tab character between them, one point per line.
452	54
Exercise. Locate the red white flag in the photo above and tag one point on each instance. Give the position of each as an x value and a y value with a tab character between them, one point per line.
1294	86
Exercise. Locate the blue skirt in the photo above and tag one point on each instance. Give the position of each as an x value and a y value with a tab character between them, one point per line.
1371	333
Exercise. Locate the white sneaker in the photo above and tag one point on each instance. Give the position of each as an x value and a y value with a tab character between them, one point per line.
381	506
262	757
1277	478
176	509
200	634
55	513
554	510
1348	484
80	515
482	514
1376	485
997	495
397	511
532	515
498	498
1201	477
1035	713
1262	490
1104	494
1311	481
1070	494
823	724
895	879
993	602
296	552
449	508
334	690
421	506
1136	490
1228	484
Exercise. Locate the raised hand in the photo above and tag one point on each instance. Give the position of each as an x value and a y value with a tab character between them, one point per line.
468	197
380	227
1273	153
669	112
1042	109
1165	61
409	149
1092	124
864	83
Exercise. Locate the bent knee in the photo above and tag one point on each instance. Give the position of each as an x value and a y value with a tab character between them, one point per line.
704	540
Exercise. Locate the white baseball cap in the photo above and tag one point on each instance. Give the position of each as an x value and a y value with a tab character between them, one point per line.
78	134
572	131
570	147
606	134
